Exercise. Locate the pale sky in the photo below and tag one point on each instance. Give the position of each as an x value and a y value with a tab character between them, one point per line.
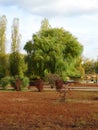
79	17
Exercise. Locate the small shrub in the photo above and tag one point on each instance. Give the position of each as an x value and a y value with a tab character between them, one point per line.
59	84
4	82
20	82
51	78
25	81
38	83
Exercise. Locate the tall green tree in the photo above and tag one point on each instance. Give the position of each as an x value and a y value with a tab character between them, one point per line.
15	58
3	59
55	51
3	24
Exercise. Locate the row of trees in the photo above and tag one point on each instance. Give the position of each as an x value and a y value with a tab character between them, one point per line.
10	64
51	50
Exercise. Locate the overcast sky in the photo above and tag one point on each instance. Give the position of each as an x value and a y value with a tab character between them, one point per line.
80	17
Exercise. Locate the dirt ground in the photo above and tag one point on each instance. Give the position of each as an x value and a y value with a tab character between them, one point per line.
46	111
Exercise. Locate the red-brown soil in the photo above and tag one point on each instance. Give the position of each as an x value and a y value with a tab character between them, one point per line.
45	111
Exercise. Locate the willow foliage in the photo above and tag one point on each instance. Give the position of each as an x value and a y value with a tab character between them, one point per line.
55	50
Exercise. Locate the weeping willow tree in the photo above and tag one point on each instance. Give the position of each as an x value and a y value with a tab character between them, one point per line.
55	51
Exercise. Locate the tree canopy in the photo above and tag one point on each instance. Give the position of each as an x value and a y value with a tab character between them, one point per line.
54	50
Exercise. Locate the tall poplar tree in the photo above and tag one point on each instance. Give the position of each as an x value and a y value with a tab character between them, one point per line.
15	46
45	24
3	24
